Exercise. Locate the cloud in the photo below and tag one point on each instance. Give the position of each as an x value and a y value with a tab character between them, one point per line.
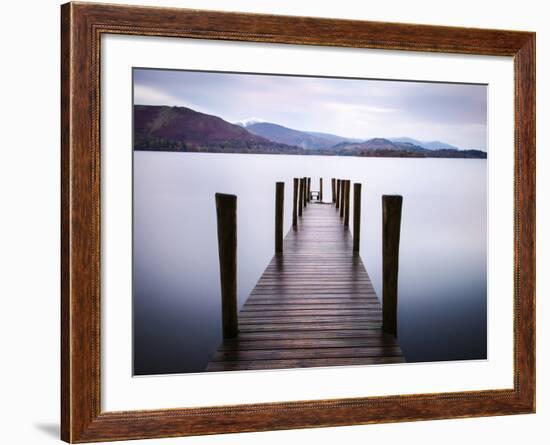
145	95
454	113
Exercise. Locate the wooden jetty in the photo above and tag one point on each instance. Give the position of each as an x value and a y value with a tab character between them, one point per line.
314	305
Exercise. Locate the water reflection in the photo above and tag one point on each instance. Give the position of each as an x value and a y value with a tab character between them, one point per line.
442	281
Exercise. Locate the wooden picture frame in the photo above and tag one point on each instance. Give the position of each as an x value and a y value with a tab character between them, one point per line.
82	26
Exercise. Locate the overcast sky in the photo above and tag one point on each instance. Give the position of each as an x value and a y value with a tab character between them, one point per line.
456	114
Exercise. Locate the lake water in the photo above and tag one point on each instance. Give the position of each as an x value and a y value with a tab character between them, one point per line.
442	271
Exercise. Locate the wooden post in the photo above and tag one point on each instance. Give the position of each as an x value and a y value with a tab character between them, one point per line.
308	189
391	228
279	209
226	211
347	184
342	194
356	216
320	189
301	197
339	193
295	203
332	189
304	191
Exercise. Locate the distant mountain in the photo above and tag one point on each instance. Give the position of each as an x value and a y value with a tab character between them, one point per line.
249	121
438	145
377	144
332	137
162	128
284	135
380	147
309	140
428	145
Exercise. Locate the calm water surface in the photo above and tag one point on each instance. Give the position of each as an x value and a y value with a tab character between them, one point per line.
442	275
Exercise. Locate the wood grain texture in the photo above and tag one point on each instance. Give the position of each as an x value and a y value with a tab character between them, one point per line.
295	202
356	217
279	215
226	217
391	234
301	189
317	256
81	417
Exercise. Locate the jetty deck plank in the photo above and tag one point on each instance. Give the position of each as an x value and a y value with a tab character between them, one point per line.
313	306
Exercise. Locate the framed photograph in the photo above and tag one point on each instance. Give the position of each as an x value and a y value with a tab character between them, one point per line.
274	222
